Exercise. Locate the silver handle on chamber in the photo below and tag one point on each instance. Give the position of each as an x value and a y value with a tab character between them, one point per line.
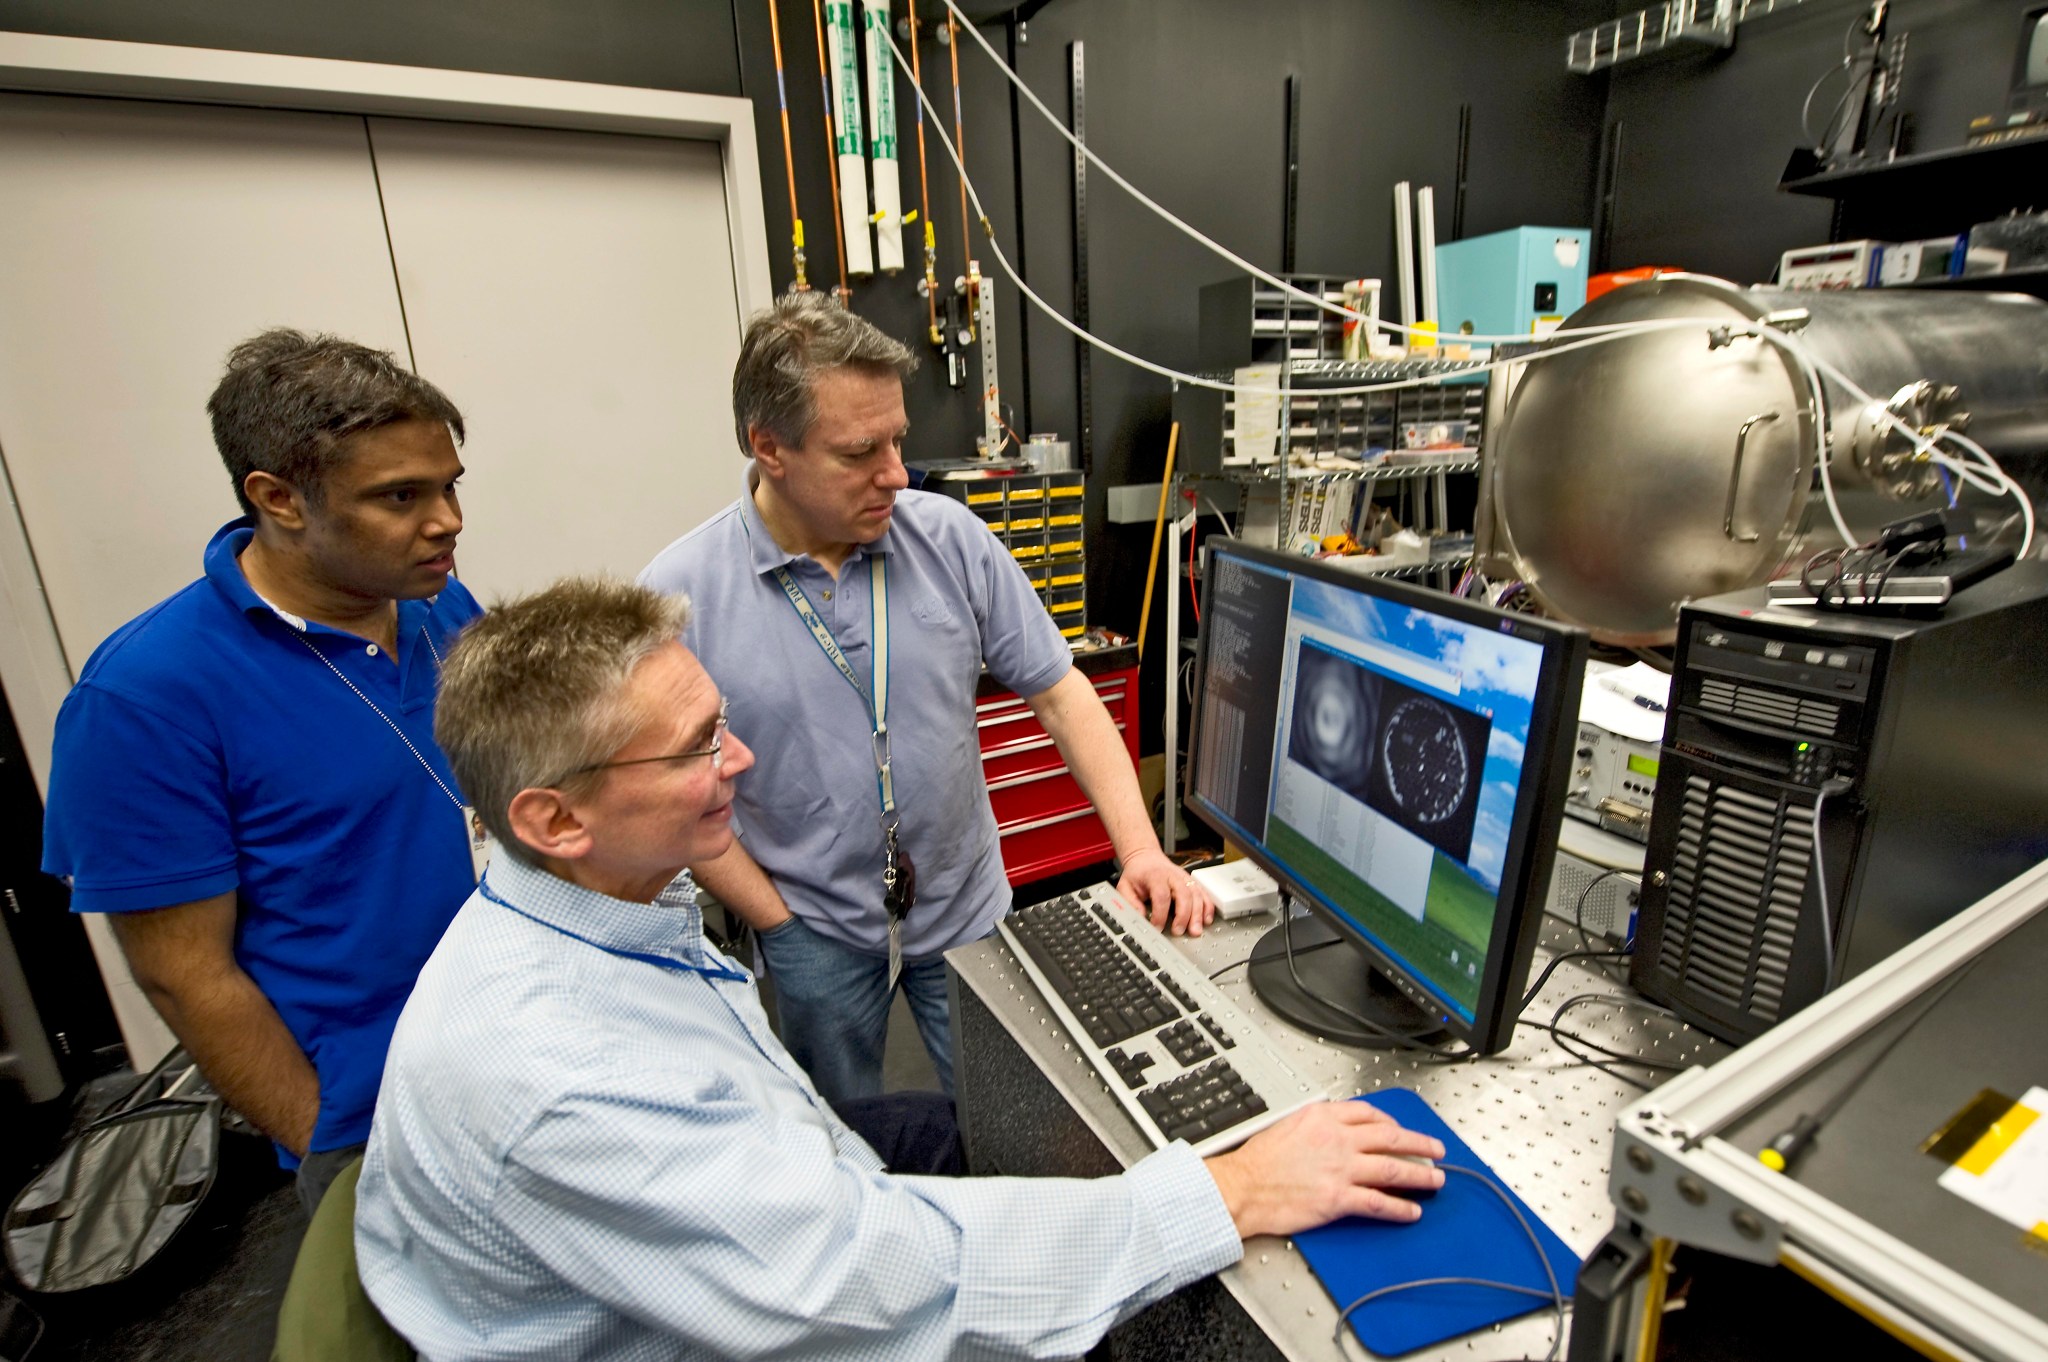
1735	476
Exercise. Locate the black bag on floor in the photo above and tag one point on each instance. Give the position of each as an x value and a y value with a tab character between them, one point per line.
122	1187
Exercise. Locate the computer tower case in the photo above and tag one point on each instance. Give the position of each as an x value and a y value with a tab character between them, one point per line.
1913	752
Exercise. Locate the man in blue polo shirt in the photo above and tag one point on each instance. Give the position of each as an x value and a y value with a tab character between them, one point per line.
245	777
826	593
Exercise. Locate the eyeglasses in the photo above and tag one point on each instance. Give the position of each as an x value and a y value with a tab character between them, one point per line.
716	751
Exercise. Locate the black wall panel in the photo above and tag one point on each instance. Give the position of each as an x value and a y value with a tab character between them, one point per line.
1705	137
1189	102
1187	99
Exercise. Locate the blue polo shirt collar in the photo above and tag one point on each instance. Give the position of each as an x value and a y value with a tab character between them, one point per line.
224	568
762	551
224	572
671	927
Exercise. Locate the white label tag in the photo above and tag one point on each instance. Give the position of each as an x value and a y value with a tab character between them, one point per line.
2006	1171
895	952
481	844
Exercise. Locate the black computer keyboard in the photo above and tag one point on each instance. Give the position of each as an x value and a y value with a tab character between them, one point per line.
1110	992
1177	1053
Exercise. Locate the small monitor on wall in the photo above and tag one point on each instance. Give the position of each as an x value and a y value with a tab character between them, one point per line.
1396	757
2030	64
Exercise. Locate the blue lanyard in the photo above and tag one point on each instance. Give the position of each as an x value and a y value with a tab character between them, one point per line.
708	971
877	702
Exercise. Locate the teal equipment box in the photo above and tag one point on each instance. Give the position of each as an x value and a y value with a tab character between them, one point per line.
1515	283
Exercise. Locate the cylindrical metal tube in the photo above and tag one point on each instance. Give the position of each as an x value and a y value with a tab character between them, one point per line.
1613	478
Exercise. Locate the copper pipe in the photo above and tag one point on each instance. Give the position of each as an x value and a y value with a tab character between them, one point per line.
796	221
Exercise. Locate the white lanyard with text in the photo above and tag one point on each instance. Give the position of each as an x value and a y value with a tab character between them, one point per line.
479	841
899	875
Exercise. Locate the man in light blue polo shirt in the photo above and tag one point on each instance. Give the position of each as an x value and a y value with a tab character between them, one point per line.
245	776
792	581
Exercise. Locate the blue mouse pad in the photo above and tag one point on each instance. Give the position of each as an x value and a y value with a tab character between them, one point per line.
1465	1231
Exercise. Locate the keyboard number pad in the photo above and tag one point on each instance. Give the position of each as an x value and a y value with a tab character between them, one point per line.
1201	1102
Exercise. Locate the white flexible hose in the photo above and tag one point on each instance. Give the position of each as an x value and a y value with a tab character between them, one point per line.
1982	472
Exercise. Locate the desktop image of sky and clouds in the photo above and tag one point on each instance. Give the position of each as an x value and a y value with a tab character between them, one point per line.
1497	676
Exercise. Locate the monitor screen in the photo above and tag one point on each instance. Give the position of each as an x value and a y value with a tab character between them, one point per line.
1397	758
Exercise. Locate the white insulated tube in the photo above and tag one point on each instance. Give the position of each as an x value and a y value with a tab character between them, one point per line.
853	177
882	137
1425	248
1404	252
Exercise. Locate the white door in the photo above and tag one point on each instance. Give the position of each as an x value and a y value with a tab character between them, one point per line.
574	294
138	242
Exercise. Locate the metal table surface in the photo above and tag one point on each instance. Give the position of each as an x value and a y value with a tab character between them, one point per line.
1542	1120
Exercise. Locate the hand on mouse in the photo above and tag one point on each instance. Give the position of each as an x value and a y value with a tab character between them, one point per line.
1326	1161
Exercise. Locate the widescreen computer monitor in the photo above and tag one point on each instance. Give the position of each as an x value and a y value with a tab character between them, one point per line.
1397	759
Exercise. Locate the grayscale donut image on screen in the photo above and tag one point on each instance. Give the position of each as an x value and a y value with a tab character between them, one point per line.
1426	767
1336	718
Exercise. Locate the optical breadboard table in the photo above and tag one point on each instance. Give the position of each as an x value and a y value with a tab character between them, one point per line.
1030	1104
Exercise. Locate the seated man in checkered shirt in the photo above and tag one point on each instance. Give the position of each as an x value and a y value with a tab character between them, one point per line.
590	1145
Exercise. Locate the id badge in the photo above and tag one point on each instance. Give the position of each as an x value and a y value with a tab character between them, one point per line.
481	844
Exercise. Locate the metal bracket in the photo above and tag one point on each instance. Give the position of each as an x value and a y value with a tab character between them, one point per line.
1084	355
991	383
1894	466
1653	1185
1790	320
1708	23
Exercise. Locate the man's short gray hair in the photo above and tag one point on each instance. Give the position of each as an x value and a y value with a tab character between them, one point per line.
537	688
787	346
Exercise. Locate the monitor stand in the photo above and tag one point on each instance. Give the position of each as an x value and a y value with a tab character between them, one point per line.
1333	968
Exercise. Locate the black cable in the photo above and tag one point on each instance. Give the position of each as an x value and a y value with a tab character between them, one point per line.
1851	59
1859	561
1583	999
1256	959
1555	1295
1884	576
1639	1004
1569	1041
1386	1035
1564	1041
1789	1144
1837	786
1557	960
